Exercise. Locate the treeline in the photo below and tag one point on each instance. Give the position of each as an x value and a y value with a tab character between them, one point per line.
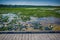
13	6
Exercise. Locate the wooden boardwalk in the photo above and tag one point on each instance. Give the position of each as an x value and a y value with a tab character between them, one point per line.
30	36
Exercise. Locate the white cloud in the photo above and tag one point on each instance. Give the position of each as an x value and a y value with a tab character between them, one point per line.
29	3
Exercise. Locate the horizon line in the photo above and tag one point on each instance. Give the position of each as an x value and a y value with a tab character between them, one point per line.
30	4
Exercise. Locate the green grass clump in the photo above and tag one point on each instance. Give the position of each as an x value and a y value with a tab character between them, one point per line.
37	12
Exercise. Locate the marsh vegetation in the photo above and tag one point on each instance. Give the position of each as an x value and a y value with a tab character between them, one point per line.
29	18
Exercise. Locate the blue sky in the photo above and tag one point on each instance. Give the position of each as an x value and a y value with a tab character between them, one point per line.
31	2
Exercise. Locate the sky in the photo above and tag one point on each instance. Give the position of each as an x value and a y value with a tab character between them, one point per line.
31	2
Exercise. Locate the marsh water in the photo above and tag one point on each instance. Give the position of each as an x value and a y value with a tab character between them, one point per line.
51	19
16	23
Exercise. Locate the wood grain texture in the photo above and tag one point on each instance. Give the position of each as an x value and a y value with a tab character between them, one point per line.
30	36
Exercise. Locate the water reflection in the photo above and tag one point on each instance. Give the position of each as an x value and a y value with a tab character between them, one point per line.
10	15
35	23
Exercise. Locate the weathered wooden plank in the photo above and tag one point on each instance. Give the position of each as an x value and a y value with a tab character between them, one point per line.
29	36
2	36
